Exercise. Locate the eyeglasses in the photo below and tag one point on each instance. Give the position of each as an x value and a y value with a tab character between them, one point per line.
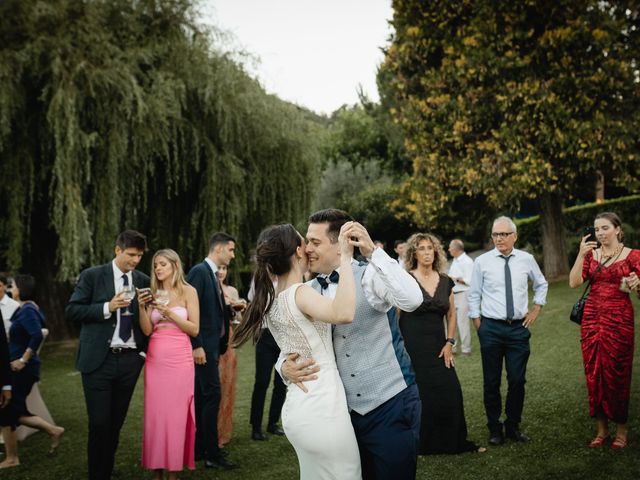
500	234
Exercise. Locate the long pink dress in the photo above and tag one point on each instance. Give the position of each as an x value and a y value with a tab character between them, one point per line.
169	414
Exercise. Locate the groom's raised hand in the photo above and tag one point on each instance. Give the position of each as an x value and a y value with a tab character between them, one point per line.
299	372
360	238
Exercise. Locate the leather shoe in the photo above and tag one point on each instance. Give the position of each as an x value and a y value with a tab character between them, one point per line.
275	430
518	436
496	439
258	435
220	463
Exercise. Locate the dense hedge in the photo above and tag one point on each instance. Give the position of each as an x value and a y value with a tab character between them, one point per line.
581	216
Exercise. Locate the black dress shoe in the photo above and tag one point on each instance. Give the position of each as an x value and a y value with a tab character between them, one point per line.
518	436
258	435
275	430
496	439
220	463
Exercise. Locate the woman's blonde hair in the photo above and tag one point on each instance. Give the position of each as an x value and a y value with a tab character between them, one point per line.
439	260
177	280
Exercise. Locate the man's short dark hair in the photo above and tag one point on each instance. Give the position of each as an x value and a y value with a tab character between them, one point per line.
335	218
27	286
218	238
131	239
398	242
4	278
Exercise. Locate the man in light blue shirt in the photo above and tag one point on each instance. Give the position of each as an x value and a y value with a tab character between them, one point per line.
499	308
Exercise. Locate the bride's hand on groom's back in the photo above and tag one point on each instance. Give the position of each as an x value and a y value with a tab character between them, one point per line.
299	372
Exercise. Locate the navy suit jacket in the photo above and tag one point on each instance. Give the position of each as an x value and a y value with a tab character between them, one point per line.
85	307
213	314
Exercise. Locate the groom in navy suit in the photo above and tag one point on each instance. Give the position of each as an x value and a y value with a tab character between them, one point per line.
210	343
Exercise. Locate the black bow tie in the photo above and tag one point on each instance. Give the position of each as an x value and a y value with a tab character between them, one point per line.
325	281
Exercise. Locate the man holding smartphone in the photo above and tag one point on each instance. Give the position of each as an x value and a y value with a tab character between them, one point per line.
110	345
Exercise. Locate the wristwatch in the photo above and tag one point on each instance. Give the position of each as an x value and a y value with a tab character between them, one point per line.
452	341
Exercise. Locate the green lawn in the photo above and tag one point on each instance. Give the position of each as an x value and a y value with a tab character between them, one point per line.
555	416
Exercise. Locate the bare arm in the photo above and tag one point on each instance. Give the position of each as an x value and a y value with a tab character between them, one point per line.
342	308
446	351
575	276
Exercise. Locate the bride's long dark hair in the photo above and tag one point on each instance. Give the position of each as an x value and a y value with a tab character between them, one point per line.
276	246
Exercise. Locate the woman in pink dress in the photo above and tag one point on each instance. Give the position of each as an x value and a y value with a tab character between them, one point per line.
169	416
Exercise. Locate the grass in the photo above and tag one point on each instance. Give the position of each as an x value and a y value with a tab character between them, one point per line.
555	416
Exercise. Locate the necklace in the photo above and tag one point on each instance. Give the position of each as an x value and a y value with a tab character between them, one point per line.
606	257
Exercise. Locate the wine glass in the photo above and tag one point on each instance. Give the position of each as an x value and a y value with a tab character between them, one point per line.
162	298
128	293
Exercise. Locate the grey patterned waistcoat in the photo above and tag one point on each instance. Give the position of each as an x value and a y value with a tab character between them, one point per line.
365	356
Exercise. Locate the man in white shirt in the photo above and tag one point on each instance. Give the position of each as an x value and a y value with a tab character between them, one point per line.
400	246
499	308
7	304
460	272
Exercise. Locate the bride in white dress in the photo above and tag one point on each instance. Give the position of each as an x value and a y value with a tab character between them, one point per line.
316	421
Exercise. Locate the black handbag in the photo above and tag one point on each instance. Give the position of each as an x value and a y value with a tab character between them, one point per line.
578	308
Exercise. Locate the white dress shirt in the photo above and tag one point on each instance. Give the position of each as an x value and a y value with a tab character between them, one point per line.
487	294
385	284
118	283
461	267
8	306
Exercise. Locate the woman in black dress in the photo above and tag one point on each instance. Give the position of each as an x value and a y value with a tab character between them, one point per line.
443	429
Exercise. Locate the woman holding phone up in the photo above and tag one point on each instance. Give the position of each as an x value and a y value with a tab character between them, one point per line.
606	332
169	414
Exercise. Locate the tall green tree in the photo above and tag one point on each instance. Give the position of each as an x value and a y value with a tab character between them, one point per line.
125	114
515	100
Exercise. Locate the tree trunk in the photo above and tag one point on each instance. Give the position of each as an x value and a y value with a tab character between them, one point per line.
554	248
599	186
52	295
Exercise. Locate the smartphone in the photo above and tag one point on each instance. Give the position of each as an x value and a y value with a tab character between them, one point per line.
591	231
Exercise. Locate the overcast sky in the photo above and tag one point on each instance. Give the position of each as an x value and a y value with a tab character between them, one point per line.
311	52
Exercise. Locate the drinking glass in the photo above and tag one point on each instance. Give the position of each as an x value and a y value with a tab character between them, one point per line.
128	293
161	297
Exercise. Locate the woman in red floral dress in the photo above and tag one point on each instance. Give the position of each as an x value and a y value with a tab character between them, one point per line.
607	329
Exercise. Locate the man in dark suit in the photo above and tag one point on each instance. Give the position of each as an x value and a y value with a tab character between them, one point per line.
110	345
210	343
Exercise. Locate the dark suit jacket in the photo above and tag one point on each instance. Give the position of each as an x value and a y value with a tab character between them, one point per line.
85	307
213	315
5	370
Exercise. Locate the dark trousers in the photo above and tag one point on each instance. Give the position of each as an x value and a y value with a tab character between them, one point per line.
388	437
207	402
267	352
107	393
509	342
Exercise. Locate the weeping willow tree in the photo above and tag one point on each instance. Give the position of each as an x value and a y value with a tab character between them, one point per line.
119	114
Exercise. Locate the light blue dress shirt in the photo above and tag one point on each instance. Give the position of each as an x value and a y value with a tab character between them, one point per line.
487	293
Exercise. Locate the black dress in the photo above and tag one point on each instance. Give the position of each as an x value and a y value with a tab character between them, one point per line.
443	428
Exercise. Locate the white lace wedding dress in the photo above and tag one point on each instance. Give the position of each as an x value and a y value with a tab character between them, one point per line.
317	423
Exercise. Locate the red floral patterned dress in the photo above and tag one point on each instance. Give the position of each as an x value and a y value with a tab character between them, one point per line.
607	337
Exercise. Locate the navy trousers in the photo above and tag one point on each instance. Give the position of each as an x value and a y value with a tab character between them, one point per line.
388	437
500	342
207	402
267	352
